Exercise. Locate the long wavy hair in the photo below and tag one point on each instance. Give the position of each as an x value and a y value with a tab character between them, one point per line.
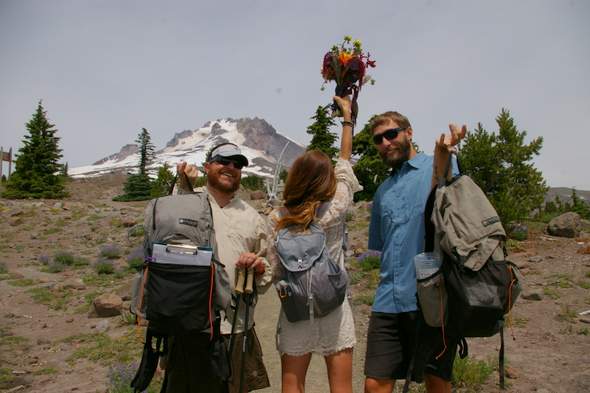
310	182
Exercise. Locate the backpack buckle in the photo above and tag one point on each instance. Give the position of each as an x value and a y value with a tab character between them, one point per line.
282	293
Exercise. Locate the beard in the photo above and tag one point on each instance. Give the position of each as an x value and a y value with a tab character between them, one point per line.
397	154
214	181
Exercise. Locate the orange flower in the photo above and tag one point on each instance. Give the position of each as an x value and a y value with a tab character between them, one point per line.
344	57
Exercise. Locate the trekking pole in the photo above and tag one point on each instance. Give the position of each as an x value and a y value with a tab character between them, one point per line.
239	290
248	289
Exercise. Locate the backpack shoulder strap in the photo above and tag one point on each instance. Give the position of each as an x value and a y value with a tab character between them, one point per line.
428	224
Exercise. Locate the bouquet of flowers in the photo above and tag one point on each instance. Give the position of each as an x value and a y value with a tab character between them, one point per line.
347	64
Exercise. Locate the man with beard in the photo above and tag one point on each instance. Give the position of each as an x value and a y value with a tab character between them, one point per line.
397	230
241	238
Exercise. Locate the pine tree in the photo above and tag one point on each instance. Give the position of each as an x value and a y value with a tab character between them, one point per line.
579	205
501	165
369	169
163	183
37	171
138	187
146	150
322	139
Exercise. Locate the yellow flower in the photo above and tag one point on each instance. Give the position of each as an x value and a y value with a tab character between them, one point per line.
344	57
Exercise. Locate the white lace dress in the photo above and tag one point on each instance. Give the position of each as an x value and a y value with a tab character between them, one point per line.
334	332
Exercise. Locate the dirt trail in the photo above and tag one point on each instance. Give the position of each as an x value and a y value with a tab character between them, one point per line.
48	342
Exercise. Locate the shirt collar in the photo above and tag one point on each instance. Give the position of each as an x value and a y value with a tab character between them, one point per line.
420	160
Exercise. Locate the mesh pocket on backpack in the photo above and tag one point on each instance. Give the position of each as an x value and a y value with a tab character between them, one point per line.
432	296
178	297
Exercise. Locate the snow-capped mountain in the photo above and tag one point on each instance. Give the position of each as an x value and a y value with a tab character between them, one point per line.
258	140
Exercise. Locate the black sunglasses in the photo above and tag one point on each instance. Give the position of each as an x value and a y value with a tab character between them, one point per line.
226	161
390	135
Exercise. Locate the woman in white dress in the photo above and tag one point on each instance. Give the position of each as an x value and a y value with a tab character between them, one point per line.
317	191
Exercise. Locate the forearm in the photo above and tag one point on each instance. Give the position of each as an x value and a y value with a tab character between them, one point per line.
442	168
346	137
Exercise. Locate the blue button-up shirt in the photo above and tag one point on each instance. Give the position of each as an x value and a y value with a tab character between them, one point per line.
397	230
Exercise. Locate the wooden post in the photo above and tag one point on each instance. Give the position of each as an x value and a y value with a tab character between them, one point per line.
5	156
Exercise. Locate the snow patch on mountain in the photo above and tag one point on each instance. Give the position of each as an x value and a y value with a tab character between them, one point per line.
259	142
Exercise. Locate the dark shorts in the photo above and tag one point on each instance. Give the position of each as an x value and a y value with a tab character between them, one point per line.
391	343
255	376
189	370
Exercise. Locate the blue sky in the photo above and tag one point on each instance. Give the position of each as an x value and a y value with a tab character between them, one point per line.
104	69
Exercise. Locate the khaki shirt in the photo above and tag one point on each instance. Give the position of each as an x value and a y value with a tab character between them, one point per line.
239	229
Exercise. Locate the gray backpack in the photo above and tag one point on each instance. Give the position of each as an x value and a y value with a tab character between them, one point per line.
177	221
310	284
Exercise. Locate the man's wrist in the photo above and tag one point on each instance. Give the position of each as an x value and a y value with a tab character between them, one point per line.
347	123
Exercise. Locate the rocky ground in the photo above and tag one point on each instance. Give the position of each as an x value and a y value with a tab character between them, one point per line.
57	257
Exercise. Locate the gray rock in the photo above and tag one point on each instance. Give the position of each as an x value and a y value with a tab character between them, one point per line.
536	258
16	221
102	326
257	195
533	294
566	225
74	283
107	305
128	222
16	212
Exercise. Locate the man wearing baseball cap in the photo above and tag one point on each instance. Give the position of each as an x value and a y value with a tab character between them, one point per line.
241	238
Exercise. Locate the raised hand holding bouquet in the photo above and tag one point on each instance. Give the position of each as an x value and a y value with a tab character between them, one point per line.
346	65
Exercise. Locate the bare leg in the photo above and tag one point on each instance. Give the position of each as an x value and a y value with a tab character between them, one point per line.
436	384
339	366
373	385
294	369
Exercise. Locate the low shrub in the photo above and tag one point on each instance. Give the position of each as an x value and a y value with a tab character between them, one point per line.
44	259
104	266
135	259
55	267
369	260
471	373
81	261
64	258
135	231
110	251
120	376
